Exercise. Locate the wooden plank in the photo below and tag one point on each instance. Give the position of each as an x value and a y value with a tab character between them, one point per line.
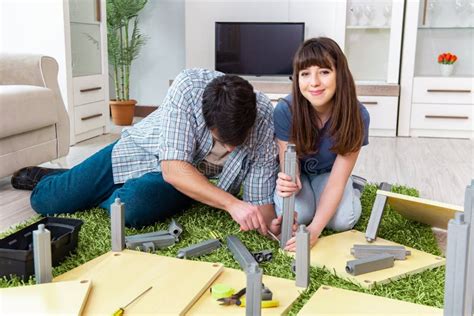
283	290
332	252
333	301
435	214
119	276
61	298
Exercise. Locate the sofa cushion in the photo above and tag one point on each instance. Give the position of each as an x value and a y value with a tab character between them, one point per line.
26	108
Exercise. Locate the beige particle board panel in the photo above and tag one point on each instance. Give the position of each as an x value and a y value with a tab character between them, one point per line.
60	298
118	277
333	252
283	290
334	301
435	214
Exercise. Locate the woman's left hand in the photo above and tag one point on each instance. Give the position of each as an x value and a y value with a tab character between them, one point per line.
291	243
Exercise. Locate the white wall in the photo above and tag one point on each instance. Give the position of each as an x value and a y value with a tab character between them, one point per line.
19	20
319	16
162	57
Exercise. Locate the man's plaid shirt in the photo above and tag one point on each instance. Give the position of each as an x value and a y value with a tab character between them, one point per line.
177	131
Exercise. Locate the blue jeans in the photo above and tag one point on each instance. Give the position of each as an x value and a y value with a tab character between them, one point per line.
347	213
147	199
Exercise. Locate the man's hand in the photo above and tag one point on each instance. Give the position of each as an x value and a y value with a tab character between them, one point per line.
247	216
285	186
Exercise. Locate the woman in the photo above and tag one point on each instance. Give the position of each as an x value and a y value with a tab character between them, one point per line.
328	126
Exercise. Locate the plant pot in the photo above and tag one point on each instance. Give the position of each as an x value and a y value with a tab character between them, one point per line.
122	111
446	70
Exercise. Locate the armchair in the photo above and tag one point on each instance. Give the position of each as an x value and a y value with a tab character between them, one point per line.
34	124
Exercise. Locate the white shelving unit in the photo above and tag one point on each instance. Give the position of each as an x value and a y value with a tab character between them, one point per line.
372	43
432	105
89	68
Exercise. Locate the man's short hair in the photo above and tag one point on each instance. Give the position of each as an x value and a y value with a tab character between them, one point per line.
229	105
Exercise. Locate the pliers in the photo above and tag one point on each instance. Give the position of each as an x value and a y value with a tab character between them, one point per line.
233	299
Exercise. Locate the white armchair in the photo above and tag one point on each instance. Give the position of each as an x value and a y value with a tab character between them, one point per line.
34	125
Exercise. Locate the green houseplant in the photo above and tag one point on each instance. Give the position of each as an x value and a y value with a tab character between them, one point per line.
124	41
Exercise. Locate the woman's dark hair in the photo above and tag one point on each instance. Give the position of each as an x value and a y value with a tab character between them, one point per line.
346	127
229	105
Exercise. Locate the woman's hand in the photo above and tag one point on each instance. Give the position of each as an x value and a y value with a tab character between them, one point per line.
285	186
313	239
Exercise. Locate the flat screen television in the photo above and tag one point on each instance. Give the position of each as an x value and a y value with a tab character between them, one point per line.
256	48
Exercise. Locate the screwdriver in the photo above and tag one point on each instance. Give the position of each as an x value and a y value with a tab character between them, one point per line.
273	236
121	310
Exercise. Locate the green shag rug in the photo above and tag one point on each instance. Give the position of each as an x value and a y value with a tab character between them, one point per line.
200	222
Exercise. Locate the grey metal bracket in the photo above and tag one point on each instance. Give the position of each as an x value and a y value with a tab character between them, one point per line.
175	229
253	293
377	213
199	249
42	255
288	210
159	242
148	246
146	235
267	295
456	302
363	251
240	252
264	255
459	283
469	218
369	264
302	257
117	222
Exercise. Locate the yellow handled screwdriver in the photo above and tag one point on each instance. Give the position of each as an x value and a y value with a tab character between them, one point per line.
121	310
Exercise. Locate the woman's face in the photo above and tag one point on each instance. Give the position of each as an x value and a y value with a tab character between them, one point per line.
318	86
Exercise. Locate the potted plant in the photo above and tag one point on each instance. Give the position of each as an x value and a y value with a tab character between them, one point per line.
446	63
124	42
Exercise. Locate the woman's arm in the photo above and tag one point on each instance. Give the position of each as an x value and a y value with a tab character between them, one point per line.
285	186
330	198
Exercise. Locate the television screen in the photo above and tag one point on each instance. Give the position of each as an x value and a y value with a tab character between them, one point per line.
248	48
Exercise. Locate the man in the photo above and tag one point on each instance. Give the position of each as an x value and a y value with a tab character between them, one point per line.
210	125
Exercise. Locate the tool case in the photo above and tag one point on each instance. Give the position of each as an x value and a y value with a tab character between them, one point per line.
16	250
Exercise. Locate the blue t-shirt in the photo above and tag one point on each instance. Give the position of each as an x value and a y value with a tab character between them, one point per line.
323	160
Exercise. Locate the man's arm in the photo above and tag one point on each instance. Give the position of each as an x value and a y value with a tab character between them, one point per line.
259	183
189	181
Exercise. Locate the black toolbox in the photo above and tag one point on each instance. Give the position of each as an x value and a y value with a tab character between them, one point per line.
16	250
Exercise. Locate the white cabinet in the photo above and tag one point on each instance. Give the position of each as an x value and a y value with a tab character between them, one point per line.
88	38
383	114
432	105
372	37
74	33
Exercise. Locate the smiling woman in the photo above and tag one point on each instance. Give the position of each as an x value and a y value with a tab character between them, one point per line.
328	125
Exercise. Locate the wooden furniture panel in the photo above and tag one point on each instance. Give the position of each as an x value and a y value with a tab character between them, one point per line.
60	298
334	301
283	290
435	214
119	276
332	252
